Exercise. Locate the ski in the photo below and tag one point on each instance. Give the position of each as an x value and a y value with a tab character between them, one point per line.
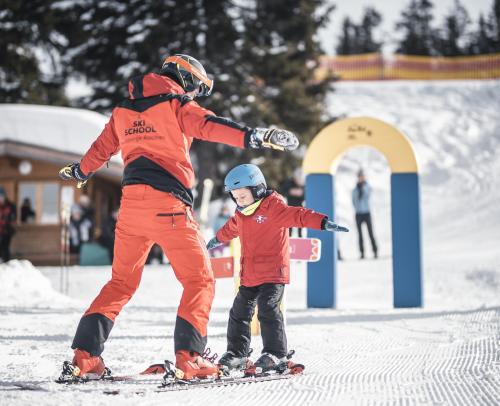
163	378
178	385
171	381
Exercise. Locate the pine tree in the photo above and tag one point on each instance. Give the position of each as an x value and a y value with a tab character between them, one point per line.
114	40
480	42
487	37
358	38
371	20
453	36
220	48
494	26
280	55
347	44
419	38
31	42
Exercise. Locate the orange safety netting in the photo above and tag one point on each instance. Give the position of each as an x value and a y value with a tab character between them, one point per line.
374	66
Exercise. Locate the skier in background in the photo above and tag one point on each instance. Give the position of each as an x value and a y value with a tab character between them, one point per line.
261	221
154	129
361	202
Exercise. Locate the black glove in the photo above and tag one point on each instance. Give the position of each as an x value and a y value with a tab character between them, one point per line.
330	225
273	138
73	171
213	243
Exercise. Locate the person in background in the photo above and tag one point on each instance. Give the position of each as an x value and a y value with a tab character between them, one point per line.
293	190
107	238
7	221
27	213
88	213
361	202
79	229
222	217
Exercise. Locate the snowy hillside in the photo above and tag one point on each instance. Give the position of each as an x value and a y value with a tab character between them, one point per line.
364	352
454	127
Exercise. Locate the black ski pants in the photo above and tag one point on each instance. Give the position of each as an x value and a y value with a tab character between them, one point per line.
360	219
268	297
5	247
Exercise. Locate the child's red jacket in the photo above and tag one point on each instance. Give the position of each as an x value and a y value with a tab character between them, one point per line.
265	251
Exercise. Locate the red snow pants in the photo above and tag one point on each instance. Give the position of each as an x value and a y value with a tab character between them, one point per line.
150	216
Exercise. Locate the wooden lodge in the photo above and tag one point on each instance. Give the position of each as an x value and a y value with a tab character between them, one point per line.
35	142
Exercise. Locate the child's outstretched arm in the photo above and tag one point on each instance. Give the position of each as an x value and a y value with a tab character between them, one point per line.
290	216
227	232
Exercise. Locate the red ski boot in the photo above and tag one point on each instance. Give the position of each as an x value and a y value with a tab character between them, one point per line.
191	365
88	365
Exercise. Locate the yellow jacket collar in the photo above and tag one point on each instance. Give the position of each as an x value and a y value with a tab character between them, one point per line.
250	209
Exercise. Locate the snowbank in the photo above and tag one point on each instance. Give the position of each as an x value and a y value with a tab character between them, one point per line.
22	285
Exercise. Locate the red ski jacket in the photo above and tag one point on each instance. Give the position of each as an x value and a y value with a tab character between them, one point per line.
154	129
265	251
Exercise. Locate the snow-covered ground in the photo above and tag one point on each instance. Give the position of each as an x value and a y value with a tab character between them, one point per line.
364	352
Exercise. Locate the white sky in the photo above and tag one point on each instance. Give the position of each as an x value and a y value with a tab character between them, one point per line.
390	11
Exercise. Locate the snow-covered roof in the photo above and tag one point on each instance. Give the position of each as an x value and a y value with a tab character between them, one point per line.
62	129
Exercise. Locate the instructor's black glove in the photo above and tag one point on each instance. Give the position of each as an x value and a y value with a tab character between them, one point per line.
73	171
273	138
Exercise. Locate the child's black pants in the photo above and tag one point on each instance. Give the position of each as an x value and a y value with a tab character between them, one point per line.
268	298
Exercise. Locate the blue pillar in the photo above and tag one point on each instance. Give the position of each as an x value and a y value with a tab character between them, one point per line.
321	275
406	240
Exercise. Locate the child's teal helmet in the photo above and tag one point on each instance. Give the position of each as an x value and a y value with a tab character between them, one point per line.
246	175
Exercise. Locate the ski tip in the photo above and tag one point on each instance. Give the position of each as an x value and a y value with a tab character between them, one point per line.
154	369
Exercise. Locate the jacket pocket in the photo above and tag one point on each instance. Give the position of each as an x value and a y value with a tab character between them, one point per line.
265	267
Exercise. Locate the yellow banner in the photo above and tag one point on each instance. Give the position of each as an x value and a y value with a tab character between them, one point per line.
374	66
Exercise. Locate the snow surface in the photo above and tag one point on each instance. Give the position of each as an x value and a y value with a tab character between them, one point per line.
364	352
22	285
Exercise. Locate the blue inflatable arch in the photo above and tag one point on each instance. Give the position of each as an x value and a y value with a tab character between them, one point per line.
320	166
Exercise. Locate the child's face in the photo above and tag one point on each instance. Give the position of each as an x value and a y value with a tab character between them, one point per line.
243	196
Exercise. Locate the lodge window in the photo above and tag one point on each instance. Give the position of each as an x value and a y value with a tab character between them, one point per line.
44	199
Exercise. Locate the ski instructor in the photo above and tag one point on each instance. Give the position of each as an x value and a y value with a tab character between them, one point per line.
154	129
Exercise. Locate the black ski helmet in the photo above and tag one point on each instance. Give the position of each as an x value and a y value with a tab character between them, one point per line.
187	72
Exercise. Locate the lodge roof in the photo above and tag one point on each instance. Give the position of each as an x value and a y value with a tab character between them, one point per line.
54	134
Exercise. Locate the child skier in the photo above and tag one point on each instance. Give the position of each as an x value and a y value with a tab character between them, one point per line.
261	221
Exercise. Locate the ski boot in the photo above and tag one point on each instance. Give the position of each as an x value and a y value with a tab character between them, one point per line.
230	361
271	363
190	364
84	367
